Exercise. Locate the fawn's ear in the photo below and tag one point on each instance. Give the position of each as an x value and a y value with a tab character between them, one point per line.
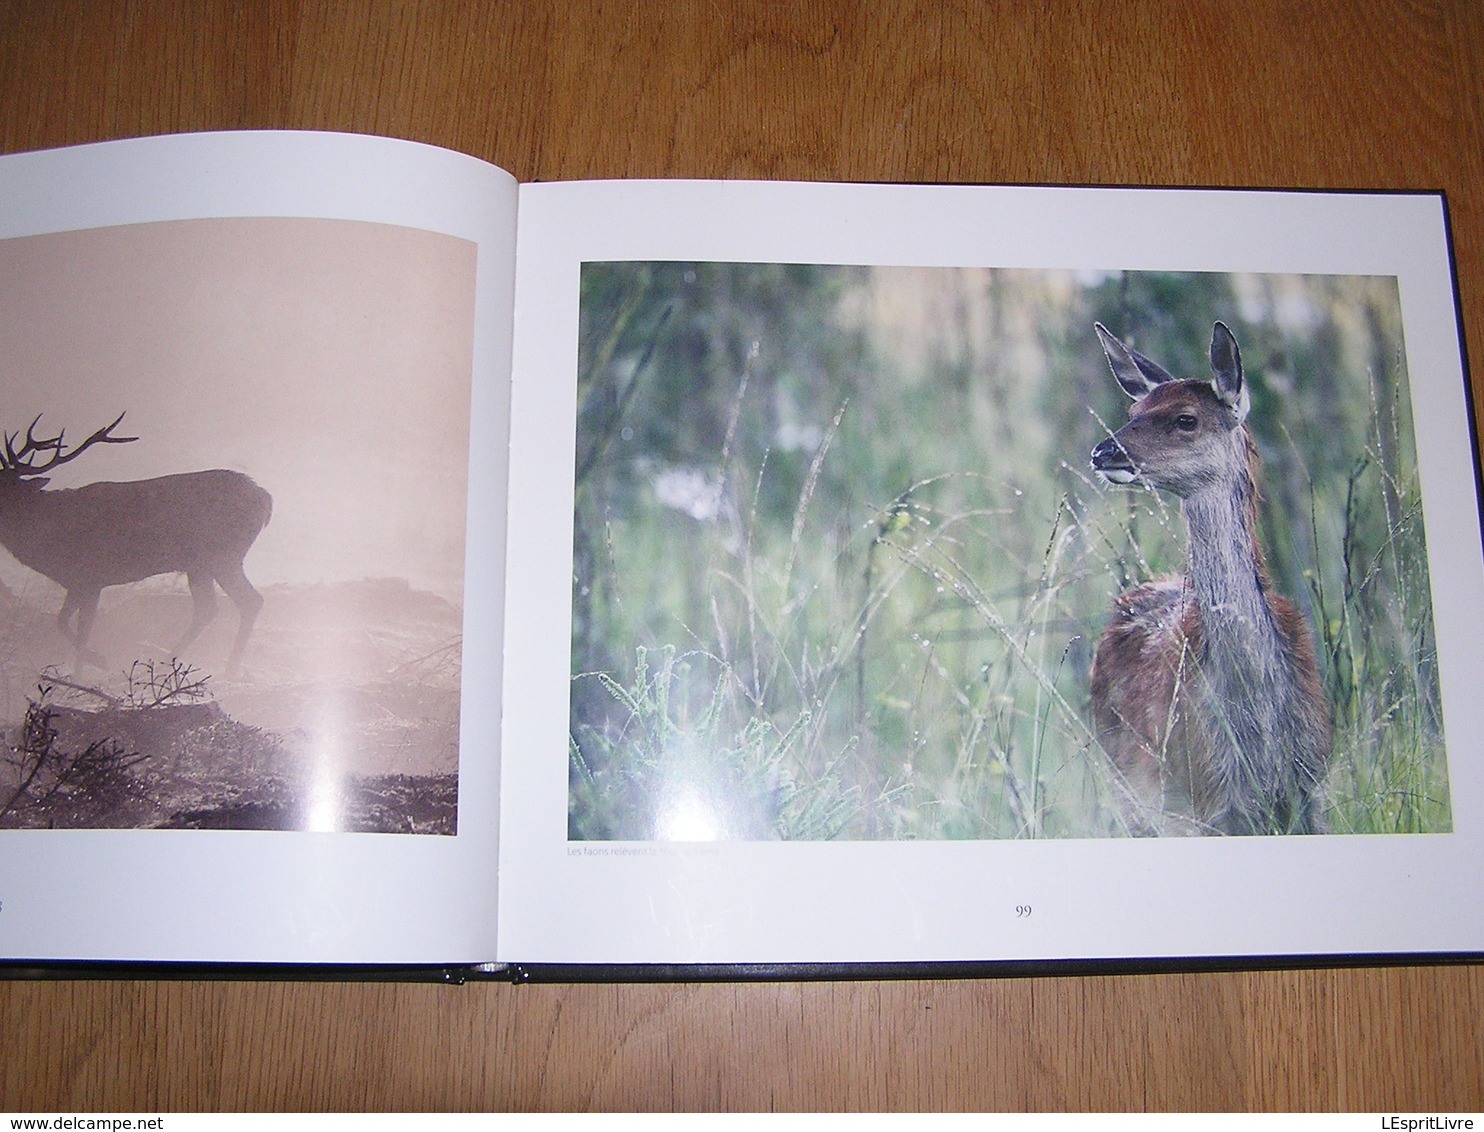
1137	375
1226	372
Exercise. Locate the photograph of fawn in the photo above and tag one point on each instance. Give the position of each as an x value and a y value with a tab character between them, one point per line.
274	408
968	553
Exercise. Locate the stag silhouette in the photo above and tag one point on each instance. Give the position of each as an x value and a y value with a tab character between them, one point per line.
1205	690
201	524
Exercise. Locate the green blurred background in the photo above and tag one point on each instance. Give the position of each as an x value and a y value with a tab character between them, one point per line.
840	563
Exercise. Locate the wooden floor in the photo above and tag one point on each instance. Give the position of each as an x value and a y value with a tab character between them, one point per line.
1269	92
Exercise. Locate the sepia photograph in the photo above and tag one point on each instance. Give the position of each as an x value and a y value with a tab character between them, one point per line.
232	513
894	553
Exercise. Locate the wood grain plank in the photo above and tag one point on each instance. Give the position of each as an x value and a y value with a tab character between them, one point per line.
1379	1039
1279	92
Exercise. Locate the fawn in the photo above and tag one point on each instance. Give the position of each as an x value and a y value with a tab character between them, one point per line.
1205	689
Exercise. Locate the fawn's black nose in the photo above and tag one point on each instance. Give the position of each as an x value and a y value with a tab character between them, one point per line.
1111	462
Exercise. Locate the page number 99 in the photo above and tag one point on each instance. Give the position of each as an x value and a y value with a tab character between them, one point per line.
1022	911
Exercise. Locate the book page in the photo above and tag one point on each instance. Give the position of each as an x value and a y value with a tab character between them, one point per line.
906	573
252	503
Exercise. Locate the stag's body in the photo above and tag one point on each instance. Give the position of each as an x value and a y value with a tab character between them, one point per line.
1205	689
201	524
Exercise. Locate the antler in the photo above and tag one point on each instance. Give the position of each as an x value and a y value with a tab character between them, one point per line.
22	461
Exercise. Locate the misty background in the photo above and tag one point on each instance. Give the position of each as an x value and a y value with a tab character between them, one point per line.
329	360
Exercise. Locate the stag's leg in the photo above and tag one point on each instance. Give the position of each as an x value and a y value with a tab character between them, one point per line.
83	603
203	608
234	581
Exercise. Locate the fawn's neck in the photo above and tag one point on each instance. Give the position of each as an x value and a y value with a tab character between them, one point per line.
1227	575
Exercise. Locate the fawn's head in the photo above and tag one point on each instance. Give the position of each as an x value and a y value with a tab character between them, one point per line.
1182	436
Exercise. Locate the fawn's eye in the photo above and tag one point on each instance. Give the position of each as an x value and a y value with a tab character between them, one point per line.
1186	422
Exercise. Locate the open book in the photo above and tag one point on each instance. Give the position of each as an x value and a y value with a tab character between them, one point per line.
407	567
